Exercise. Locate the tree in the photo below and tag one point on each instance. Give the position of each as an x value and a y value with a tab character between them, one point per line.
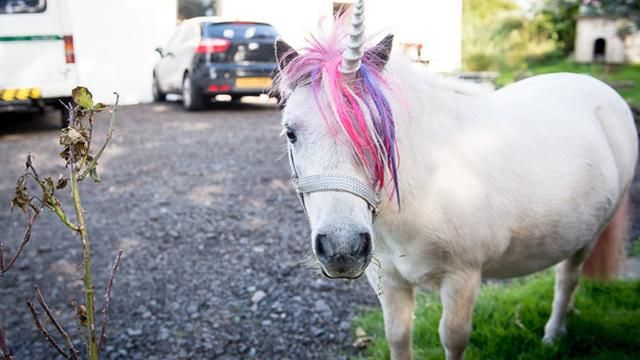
556	20
629	9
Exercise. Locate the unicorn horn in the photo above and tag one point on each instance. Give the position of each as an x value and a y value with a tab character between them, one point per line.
352	57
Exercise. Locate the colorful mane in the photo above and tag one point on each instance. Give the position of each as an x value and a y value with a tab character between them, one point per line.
359	108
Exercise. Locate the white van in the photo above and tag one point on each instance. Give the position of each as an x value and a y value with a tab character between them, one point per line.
37	59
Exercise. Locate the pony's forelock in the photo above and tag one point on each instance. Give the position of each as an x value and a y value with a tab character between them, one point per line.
357	107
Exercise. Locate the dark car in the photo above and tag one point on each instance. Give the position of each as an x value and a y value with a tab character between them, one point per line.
207	56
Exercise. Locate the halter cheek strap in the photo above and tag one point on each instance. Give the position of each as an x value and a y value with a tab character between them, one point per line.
333	182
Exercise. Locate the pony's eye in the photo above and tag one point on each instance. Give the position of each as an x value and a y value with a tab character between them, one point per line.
291	135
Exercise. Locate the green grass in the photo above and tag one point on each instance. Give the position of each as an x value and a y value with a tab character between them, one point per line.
509	323
612	74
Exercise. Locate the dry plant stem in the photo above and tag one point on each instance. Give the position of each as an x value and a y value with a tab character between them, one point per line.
112	123
107	298
49	201
25	240
5	354
72	351
1	258
44	331
63	217
92	349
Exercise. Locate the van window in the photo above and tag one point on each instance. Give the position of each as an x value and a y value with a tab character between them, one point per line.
22	6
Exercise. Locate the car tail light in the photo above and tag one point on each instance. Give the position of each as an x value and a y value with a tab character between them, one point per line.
69	53
209	46
216	88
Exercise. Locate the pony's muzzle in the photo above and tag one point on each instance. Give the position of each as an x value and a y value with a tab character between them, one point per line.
343	256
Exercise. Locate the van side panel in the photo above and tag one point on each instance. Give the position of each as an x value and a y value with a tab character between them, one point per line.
32	51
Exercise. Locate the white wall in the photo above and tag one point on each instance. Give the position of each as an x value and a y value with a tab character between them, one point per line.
591	29
293	18
115	42
632	44
437	24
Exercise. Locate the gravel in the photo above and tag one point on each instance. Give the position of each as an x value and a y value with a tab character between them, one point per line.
213	240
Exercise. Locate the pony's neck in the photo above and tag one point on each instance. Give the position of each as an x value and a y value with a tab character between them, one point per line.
428	110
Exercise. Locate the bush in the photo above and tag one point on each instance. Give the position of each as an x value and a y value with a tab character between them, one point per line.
479	62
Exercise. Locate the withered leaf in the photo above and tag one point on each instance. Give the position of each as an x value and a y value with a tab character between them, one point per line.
62	182
71	136
99	107
82	97
22	197
49	185
81	314
362	339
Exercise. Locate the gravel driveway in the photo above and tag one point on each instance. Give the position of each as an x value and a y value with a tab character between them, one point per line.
213	238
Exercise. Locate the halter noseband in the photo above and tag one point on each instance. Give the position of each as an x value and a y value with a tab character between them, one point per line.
333	182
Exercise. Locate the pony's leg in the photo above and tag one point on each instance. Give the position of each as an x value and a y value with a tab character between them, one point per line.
567	276
397	300
458	292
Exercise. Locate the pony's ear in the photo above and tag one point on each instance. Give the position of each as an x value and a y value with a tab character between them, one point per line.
284	54
378	56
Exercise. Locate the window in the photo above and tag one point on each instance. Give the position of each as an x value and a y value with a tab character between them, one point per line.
239	31
22	6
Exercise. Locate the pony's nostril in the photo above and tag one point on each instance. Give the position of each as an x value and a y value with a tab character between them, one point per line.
322	246
364	248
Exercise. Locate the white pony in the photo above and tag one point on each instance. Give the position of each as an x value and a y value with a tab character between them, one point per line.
465	184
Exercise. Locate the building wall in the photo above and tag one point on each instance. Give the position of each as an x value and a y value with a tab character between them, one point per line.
115	42
435	24
589	30
632	44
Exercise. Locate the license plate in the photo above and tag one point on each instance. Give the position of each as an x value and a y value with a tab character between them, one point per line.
253	83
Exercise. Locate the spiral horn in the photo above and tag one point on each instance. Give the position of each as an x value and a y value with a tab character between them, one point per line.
352	57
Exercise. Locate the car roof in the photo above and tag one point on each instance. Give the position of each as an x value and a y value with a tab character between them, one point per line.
220	19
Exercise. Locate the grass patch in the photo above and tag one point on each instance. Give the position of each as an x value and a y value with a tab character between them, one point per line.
509	323
610	74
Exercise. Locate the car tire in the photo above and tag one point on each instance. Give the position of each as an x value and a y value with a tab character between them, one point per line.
158	95
191	99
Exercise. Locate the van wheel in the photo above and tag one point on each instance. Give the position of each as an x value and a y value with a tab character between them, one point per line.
191	100
158	95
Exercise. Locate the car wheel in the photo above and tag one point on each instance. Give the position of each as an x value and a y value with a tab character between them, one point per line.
158	95
191	100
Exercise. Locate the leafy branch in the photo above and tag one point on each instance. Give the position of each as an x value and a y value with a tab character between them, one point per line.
76	140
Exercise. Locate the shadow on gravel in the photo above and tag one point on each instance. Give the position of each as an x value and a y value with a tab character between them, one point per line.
29	122
174	103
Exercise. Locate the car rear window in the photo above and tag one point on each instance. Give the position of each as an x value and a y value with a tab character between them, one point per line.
239	31
22	6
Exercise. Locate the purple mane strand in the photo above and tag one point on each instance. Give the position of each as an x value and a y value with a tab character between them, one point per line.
358	107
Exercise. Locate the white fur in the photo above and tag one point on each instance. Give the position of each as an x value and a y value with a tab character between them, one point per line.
493	184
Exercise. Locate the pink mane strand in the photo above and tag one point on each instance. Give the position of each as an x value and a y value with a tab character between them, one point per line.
358	108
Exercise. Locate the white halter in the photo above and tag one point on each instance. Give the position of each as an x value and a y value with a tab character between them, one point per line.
333	182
